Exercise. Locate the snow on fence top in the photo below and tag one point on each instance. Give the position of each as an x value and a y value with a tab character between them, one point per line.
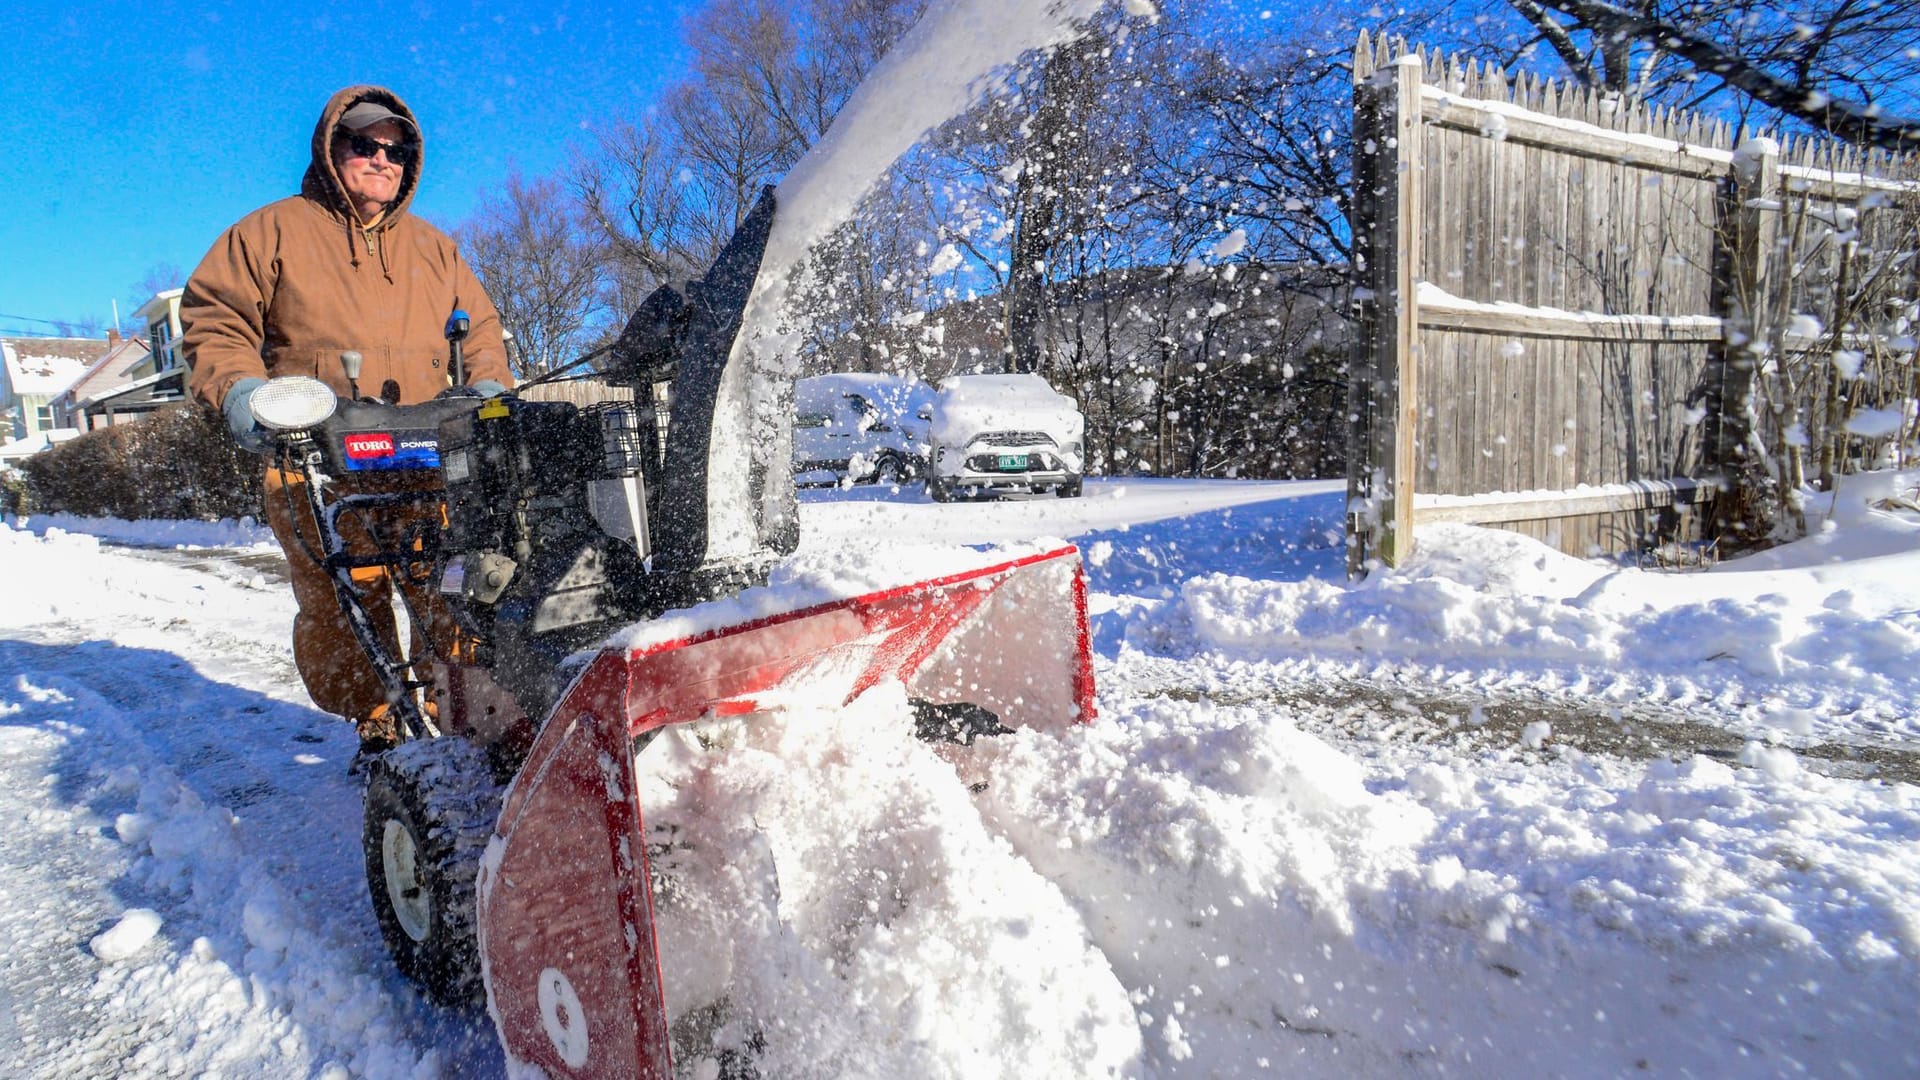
1633	121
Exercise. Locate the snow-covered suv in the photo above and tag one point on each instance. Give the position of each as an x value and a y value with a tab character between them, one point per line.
861	427
1004	433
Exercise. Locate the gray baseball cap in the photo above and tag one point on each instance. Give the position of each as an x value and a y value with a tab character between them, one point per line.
368	113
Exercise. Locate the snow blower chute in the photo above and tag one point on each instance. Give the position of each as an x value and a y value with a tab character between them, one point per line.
614	574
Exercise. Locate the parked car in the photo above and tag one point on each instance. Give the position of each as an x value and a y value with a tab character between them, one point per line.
995	433
861	427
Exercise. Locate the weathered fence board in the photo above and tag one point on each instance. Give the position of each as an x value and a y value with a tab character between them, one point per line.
1561	293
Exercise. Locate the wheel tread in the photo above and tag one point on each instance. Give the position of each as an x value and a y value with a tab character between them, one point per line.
449	784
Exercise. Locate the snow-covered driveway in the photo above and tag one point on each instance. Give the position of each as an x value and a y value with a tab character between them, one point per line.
1227	876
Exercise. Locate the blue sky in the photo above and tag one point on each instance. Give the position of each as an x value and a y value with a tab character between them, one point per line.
132	134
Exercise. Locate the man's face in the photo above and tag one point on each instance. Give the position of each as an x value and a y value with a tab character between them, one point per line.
371	182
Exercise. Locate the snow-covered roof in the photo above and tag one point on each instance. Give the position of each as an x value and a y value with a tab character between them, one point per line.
47	365
157	307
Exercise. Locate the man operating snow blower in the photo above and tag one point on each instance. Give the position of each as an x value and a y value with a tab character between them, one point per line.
299	287
587	577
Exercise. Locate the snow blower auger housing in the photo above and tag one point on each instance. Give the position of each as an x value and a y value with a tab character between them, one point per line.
609	571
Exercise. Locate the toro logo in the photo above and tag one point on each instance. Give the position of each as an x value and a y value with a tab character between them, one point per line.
376	444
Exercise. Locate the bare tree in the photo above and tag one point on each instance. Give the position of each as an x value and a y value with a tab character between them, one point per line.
539	269
1845	67
1280	120
631	199
158	279
666	191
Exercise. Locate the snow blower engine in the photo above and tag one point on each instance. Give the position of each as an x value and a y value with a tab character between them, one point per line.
608	570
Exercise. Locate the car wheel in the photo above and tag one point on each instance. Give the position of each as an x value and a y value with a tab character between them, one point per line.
1068	490
890	470
938	491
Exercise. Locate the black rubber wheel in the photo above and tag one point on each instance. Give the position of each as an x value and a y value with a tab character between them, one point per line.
889	470
1068	490
430	809
938	491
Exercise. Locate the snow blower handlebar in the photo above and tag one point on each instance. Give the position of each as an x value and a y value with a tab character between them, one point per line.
457	325
562	523
313	431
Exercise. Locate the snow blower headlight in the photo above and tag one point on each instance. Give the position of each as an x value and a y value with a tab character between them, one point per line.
293	403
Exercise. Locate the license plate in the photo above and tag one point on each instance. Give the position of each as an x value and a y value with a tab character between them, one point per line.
1011	462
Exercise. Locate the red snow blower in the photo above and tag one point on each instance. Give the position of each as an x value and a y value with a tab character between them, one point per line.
613	570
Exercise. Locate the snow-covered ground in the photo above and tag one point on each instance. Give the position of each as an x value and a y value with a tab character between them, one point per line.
1304	838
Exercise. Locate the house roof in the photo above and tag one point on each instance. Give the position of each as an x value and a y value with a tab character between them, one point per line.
122	390
158	304
47	365
112	370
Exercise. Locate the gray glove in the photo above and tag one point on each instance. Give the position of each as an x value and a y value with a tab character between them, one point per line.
247	432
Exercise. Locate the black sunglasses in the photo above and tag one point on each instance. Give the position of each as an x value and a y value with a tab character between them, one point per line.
398	153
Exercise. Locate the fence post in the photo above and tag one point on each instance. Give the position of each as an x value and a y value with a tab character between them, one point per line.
1362	516
1749	211
1383	385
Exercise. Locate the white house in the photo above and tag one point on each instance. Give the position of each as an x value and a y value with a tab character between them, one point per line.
136	378
36	371
82	383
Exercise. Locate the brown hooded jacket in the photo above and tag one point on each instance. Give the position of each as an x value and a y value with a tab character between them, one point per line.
300	281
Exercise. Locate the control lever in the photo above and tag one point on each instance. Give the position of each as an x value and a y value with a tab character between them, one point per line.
456	333
350	363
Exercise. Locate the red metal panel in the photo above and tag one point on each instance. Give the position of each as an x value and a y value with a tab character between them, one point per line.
566	913
858	641
1082	647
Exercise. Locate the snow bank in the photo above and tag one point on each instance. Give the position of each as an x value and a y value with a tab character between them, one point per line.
863	921
1251	885
1826	624
226	533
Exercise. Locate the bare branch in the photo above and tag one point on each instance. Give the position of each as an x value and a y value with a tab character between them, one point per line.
1854	123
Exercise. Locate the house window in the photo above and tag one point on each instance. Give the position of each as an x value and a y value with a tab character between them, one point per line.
160	336
45	416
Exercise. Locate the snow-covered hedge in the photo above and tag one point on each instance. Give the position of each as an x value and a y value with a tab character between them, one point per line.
177	464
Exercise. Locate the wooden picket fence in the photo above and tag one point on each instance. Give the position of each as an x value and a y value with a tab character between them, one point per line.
1562	300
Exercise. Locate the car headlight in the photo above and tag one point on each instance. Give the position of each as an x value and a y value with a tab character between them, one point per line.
292	403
